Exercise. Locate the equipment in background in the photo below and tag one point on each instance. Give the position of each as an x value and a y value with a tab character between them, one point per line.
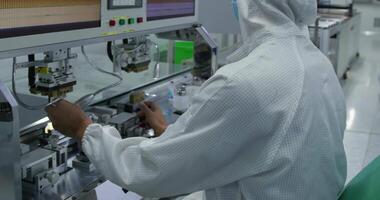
336	33
51	161
53	76
133	55
51	165
205	49
334	7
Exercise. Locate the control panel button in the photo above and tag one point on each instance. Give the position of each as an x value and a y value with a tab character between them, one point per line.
131	20
121	22
112	22
140	20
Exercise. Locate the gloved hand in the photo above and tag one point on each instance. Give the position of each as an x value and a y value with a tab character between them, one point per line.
68	119
153	117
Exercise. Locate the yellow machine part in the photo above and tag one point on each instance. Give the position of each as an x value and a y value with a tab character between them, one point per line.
137	97
42	70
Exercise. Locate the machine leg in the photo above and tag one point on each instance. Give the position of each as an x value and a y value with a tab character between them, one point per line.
345	76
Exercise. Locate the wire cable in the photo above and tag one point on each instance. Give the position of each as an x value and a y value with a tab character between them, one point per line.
87	99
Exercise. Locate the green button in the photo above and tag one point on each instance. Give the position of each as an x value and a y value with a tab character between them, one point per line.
122	22
131	21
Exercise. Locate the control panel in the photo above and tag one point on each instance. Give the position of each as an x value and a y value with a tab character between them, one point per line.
25	24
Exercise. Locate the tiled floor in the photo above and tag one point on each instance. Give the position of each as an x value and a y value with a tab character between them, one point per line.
362	90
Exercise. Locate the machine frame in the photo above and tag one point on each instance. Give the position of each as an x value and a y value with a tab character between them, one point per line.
18	46
38	149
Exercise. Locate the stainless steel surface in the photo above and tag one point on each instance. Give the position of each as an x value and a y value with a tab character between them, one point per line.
71	184
36	161
52	56
38	169
34	126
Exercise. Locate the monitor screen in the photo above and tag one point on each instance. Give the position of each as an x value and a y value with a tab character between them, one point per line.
165	9
30	17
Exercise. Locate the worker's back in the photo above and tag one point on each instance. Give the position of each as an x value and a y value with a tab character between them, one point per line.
290	91
295	102
268	126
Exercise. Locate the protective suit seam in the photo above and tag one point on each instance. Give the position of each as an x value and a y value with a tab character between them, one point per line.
303	81
294	111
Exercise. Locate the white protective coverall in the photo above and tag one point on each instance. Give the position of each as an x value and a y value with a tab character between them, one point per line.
267	126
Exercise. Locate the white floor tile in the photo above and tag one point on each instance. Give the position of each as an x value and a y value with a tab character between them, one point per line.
362	90
356	147
370	46
376	124
373	150
361	113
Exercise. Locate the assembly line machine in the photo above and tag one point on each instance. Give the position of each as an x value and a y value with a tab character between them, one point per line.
337	34
38	37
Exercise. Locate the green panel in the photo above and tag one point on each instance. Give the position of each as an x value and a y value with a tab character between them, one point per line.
183	51
366	185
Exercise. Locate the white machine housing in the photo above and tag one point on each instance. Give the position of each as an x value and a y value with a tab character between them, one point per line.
109	10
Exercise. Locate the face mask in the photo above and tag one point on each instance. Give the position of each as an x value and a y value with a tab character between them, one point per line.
235	9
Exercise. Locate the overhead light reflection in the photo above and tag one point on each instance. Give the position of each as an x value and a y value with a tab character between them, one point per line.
350	118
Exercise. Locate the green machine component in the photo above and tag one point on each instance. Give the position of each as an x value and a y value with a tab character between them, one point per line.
183	51
366	185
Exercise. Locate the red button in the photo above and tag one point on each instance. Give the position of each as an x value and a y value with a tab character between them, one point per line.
140	20
112	22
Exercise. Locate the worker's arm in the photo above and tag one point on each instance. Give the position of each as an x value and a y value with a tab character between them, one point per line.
209	146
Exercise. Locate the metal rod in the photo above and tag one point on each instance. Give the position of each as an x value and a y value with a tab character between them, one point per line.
84	42
214	47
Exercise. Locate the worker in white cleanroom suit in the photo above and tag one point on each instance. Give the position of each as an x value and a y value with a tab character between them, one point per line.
267	126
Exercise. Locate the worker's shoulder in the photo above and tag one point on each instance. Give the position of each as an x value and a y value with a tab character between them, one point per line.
272	66
275	56
263	76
